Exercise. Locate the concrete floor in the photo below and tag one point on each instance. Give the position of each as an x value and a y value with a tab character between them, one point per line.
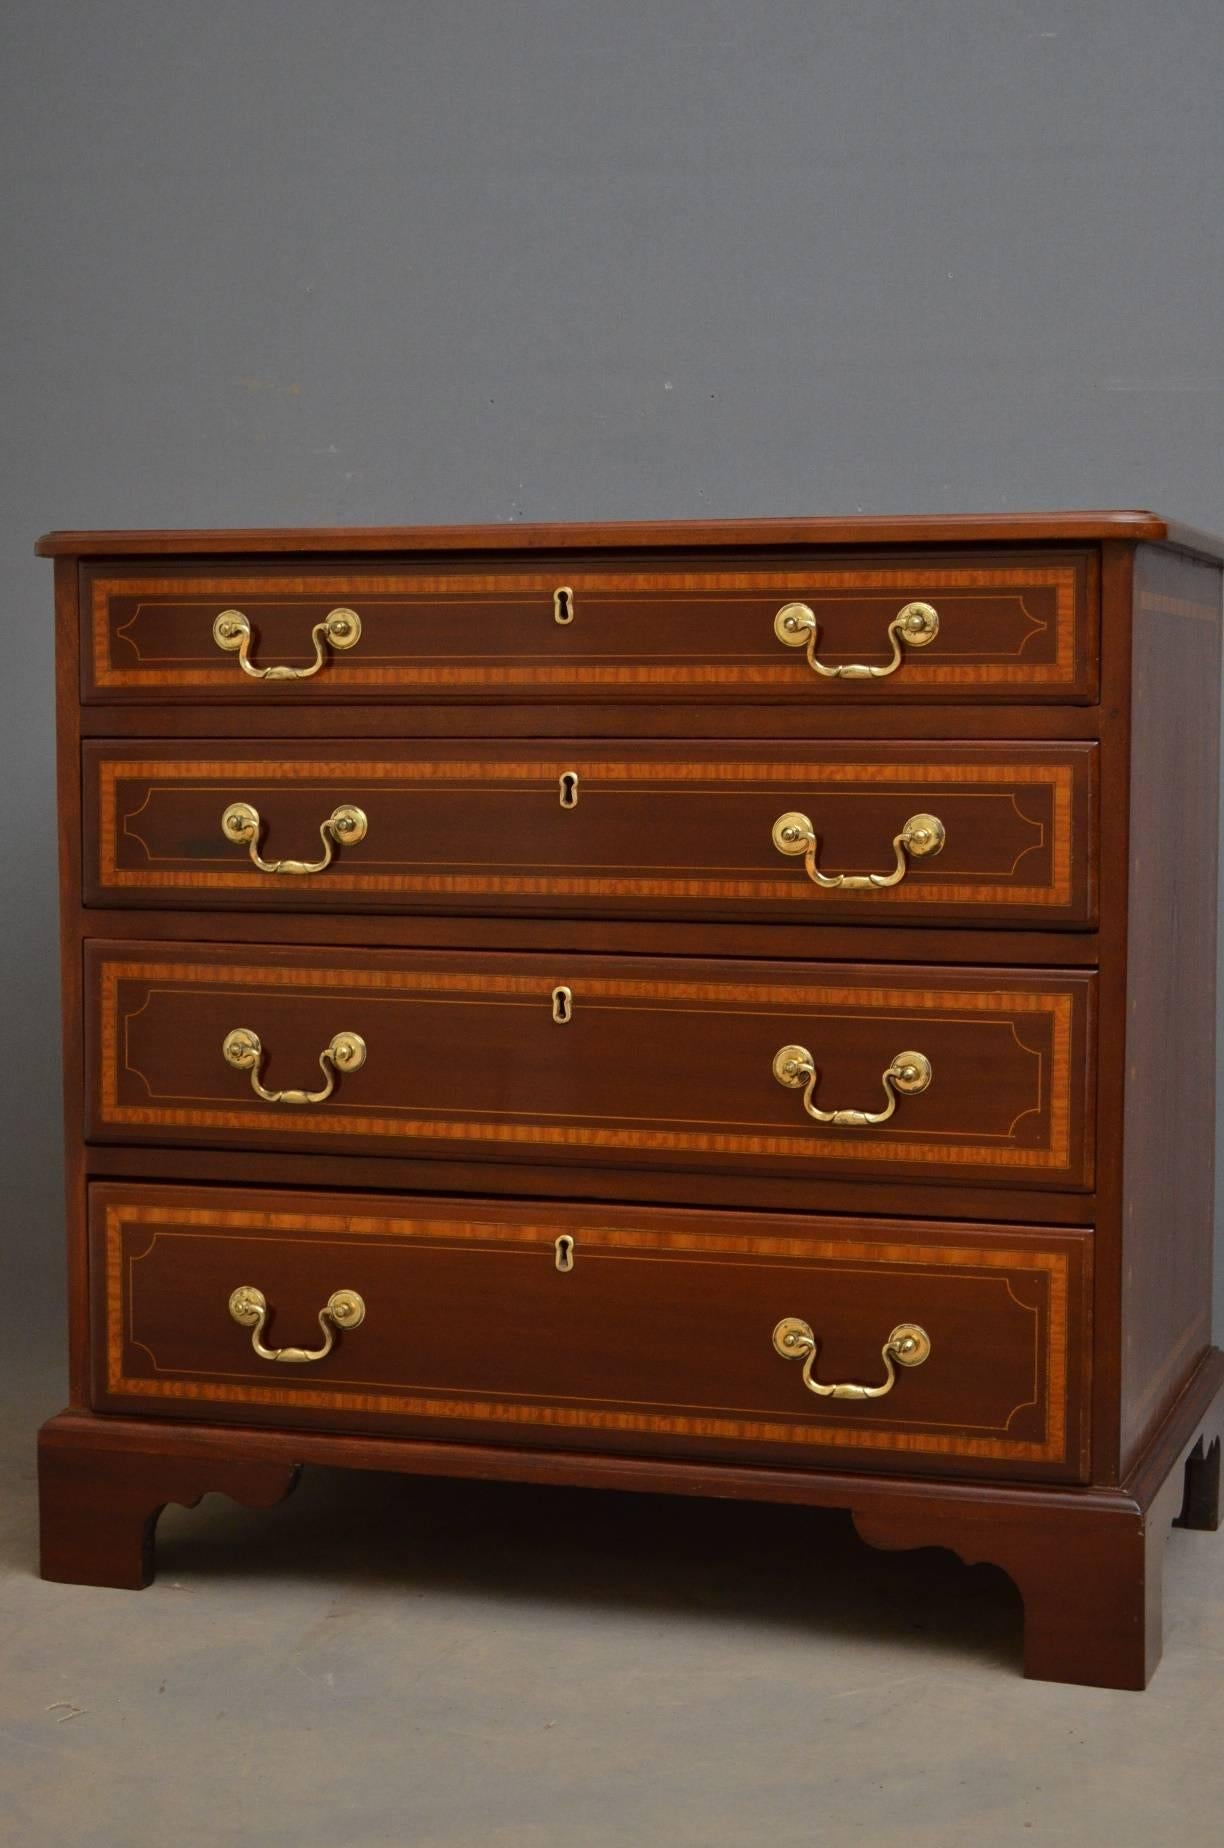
441	1665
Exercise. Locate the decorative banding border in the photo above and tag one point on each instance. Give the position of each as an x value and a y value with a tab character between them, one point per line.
443	984
541	777
861	1254
812	582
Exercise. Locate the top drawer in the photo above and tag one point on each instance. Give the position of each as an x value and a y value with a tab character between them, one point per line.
990	625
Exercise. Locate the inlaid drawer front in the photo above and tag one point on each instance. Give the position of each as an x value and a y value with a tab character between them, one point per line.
915	1347
935	831
782	1068
992	625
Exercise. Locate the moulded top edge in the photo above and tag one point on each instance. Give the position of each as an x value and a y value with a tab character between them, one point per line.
918	529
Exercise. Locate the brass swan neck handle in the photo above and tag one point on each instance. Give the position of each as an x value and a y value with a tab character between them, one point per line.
243	1049
907	1346
249	1308
339	629
921	835
909	1072
913	626
241	823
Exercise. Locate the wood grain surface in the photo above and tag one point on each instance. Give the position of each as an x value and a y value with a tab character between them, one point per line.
1012	626
662	1327
1055	527
666	832
465	1053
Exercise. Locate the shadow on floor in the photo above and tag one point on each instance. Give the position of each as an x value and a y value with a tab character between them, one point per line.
679	1558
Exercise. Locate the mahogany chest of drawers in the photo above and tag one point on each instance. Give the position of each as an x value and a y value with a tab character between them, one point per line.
724	1009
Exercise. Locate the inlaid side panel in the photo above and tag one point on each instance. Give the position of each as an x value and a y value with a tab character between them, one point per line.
601	1327
1007	625
876	830
917	1071
1168	1176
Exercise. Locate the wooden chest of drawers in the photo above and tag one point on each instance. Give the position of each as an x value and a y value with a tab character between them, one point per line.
724	1009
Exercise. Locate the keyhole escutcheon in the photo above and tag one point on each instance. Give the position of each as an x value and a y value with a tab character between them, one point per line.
565	1252
563	604
568	781
562	1006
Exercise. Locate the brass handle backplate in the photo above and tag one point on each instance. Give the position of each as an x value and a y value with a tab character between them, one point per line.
907	1346
243	1049
909	1072
922	835
343	1309
915	625
339	629
347	824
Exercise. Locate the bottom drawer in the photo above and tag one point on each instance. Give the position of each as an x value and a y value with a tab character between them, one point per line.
584	1327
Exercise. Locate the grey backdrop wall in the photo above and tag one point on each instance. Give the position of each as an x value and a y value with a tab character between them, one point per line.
294	261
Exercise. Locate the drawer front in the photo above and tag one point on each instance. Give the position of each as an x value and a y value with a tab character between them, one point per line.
658	1333
1005	626
973	833
580	1059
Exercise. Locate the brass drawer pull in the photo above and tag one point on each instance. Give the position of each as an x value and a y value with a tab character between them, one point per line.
243	1049
343	1309
346	825
922	834
914	626
338	629
907	1346
909	1072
